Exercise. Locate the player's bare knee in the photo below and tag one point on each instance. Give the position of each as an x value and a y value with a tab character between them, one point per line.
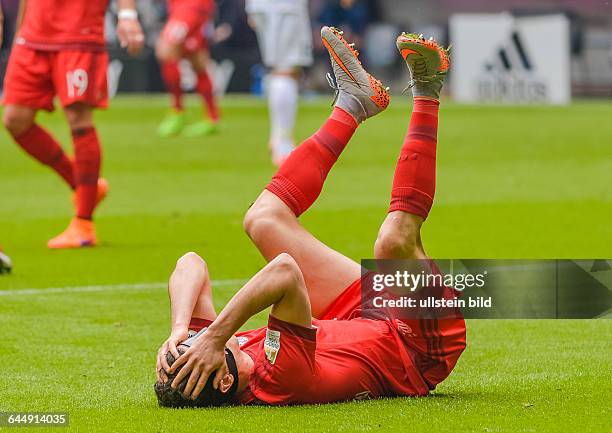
287	268
294	73
251	221
199	62
284	261
191	260
79	116
166	52
16	122
162	55
259	219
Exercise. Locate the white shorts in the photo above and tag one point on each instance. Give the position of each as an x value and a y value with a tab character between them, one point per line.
284	34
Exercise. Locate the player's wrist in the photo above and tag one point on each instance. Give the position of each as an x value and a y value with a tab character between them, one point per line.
127	14
216	336
179	328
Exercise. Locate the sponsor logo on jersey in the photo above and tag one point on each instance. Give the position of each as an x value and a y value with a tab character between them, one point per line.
242	340
272	345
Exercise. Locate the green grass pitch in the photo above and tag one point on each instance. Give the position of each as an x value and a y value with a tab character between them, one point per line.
529	182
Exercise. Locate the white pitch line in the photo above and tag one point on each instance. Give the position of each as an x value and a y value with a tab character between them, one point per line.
105	288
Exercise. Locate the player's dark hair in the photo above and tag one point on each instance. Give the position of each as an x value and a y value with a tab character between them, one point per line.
168	397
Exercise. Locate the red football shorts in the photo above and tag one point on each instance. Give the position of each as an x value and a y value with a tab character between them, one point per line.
34	78
185	27
436	344
346	306
335	360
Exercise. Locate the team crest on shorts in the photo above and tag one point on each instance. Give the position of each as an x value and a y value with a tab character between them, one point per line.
272	345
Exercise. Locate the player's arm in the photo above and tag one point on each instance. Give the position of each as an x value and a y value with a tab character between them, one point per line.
20	14
129	31
189	279
279	284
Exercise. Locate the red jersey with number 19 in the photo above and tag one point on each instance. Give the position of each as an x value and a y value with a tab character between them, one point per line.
52	25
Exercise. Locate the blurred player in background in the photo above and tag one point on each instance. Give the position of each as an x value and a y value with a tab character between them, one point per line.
183	37
352	15
6	265
285	42
8	17
60	51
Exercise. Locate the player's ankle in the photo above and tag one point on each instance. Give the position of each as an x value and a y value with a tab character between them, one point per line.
351	105
344	116
426	99
429	90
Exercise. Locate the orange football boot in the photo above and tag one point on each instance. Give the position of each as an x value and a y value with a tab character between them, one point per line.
357	92
80	233
428	63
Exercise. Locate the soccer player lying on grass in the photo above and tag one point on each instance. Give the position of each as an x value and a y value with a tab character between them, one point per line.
318	347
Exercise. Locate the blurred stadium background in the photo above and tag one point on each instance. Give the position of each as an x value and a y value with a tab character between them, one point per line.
372	23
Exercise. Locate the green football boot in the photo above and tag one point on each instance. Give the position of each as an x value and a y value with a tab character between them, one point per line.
201	128
173	124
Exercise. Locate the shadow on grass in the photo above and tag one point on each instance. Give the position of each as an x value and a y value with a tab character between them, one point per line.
435	398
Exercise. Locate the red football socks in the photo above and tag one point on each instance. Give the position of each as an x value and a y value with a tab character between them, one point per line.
172	78
205	89
414	184
87	156
44	148
300	179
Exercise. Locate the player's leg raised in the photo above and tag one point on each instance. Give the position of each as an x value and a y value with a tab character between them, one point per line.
272	220
414	182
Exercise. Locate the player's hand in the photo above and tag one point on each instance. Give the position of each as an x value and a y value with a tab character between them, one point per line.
169	346
251	23
222	33
130	35
203	358
347	4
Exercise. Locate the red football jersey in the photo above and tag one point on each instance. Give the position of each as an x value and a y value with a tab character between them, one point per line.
61	24
436	344
345	356
335	360
206	5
